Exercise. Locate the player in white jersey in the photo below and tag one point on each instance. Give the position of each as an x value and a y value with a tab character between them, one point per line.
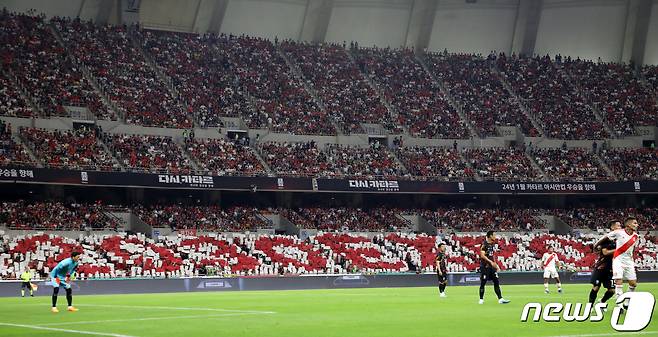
623	265
550	263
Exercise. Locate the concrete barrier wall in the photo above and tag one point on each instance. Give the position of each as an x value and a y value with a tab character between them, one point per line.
138	286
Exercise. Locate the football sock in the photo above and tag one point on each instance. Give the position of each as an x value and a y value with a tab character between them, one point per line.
69	296
55	292
592	296
619	290
497	289
442	287
22	292
482	283
608	294
631	289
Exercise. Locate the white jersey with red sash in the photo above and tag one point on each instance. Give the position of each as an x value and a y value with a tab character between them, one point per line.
549	260
623	265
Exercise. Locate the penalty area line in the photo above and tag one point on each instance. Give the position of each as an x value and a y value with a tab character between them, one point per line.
81	332
176	308
149	319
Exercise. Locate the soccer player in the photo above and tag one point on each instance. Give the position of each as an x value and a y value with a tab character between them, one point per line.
623	266
442	269
60	276
488	268
551	262
26	276
602	273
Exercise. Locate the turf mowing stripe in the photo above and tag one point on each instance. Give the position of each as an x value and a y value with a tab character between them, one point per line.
149	319
82	332
175	308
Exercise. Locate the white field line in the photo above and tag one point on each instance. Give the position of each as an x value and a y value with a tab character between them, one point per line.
176	308
149	319
612	334
81	332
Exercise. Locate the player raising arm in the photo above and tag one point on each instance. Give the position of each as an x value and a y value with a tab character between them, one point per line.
623	265
60	276
488	268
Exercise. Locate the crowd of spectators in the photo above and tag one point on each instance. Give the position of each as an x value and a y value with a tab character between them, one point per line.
124	255
201	73
650	73
11	102
574	164
281	101
622	99
350	219
55	215
41	66
295	159
372	161
202	218
418	101
148	153
436	163
482	219
300	159
11	153
598	217
484	99
72	149
632	164
224	157
123	73
345	93
502	164
551	97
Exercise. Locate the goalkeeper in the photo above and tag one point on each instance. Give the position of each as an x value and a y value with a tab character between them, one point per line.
61	277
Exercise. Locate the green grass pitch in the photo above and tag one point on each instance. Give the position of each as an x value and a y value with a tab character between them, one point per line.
403	312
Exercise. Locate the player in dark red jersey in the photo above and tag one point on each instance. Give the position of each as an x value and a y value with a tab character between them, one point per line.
489	268
442	269
602	273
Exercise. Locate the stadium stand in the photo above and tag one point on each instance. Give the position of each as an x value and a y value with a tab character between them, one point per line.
473	219
123	73
11	153
435	163
148	153
501	164
55	215
570	164
551	97
200	72
41	66
12	102
76	149
485	101
204	218
633	164
121	255
281	101
332	161
344	91
650	73
418	101
615	89
223	157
